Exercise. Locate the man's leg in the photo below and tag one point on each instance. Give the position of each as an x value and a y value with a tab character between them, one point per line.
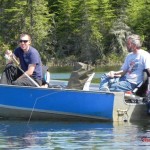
104	82
25	81
122	86
10	74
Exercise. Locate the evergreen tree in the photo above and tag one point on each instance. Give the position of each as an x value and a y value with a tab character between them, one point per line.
139	12
24	16
88	30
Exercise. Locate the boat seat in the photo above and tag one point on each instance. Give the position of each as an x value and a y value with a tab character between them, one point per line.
141	89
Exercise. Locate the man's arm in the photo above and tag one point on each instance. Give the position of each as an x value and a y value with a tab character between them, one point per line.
119	73
30	70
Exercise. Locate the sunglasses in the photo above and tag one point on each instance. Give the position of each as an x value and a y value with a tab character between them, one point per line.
23	41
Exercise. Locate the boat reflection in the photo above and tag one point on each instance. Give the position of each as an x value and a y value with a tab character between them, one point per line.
72	135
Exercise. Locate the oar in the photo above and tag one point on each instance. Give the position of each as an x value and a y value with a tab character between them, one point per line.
17	64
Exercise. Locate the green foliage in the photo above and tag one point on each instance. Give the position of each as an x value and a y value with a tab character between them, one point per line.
139	12
60	69
77	30
3	48
25	16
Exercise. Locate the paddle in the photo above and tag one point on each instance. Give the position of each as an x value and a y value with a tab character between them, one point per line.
17	64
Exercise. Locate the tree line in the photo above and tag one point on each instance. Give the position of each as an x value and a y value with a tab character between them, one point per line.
66	31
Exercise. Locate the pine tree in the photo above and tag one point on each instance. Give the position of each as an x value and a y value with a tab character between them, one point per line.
25	16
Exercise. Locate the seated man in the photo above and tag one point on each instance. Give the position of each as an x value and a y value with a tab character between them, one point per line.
131	73
30	64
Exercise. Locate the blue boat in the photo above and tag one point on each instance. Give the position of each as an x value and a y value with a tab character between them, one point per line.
59	103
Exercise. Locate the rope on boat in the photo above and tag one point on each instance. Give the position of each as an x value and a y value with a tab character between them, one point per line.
36	103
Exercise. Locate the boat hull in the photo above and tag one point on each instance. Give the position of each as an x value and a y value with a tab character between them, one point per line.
41	103
32	103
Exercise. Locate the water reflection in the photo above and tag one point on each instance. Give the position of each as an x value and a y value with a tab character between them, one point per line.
72	135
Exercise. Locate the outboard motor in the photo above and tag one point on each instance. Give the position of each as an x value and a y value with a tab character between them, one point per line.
79	75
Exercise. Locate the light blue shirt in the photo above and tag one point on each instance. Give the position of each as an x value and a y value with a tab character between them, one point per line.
135	64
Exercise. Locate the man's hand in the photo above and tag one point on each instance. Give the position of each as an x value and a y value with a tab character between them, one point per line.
8	56
113	74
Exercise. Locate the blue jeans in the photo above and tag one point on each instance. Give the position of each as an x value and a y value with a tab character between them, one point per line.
116	84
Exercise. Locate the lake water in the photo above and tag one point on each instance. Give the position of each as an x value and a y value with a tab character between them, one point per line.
56	76
47	135
18	135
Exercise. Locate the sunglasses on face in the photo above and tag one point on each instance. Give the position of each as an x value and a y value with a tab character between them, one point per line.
23	41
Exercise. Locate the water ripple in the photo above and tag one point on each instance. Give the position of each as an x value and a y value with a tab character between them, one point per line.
72	136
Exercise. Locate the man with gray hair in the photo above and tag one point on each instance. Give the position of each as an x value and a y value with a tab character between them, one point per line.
131	73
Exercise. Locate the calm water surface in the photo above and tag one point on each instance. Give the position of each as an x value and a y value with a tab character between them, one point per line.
56	76
73	135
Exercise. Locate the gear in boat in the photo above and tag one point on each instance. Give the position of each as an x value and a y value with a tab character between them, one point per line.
141	94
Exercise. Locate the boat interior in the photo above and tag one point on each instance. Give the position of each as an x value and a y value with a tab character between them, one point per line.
82	76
